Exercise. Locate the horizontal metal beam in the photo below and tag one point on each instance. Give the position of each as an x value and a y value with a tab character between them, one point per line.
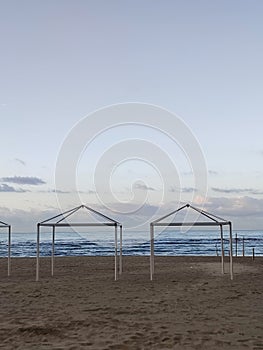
189	223
62	224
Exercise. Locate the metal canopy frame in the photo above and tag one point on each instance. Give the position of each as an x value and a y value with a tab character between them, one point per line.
215	221
8	227
61	223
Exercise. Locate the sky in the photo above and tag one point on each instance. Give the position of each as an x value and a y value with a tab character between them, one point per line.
64	65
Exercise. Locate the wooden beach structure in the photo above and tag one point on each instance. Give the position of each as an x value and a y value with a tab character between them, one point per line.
62	220
208	220
7	228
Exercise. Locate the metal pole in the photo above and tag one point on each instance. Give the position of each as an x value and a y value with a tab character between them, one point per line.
53	251
222	250
243	250
120	267
230	251
116	251
151	252
236	244
37	266
9	252
253	253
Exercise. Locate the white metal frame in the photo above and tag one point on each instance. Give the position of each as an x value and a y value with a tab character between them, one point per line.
59	223
215	221
8	227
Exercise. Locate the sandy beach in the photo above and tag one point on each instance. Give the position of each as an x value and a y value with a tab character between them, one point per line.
188	305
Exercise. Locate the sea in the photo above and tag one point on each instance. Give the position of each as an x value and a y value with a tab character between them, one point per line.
168	242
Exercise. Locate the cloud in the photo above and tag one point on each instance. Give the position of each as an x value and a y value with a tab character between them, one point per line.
59	191
66	191
132	215
237	190
139	186
188	173
212	172
7	188
25	220
173	189
24	180
188	189
245	213
20	161
238	206
182	190
87	192
91	192
230	190
81	192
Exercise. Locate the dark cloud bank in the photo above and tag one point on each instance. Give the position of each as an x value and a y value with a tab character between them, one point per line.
23	180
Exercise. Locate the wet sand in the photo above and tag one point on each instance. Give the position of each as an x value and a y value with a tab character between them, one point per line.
188	305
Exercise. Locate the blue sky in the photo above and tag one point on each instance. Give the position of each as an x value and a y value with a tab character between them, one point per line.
61	61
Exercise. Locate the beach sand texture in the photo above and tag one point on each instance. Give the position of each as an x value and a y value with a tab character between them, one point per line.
188	305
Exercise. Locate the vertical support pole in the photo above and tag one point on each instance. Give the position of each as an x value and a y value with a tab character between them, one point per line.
120	267
230	251
151	251
253	253
116	251
236	244
222	250
53	250
37	266
243	250
9	252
